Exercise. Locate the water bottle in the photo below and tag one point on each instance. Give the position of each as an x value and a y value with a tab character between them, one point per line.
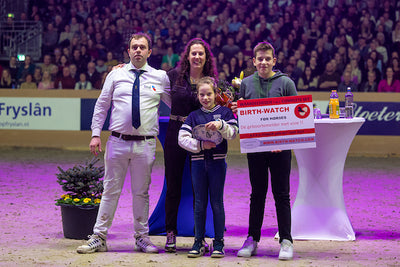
317	113
348	103
59	85
334	105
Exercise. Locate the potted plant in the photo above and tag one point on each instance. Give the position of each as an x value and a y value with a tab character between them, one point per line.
80	203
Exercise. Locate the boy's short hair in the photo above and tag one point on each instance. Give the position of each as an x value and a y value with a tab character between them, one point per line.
263	46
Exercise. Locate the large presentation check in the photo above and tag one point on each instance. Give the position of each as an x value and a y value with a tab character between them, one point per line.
277	123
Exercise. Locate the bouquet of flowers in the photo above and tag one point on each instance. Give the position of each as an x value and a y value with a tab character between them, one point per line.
82	184
236	82
227	93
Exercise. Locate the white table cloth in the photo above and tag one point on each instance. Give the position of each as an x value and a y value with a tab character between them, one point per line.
319	211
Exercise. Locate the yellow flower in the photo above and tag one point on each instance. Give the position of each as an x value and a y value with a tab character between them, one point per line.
86	200
76	199
97	201
236	82
67	198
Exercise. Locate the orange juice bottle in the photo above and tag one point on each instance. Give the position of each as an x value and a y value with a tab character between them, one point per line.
334	105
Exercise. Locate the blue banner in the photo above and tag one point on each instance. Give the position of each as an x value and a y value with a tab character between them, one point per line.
381	118
87	108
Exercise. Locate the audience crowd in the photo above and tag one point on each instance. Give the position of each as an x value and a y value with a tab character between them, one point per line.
321	45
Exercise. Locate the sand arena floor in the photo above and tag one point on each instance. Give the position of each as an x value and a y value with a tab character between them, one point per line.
31	229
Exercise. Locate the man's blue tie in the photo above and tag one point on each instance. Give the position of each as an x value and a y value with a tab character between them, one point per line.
136	101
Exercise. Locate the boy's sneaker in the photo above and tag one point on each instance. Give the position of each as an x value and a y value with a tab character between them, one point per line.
197	249
218	249
94	244
170	245
248	249
286	252
144	244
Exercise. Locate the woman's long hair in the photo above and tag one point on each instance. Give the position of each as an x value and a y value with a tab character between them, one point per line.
209	68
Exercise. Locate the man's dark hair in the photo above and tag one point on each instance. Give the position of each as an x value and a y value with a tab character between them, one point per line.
139	35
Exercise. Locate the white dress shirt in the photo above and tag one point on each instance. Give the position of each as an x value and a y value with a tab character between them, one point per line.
117	94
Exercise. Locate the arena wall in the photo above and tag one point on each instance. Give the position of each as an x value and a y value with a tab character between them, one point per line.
380	138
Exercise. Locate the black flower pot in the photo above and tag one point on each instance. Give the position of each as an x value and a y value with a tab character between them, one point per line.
78	221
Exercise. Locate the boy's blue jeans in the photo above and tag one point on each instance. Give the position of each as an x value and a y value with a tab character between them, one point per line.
208	177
